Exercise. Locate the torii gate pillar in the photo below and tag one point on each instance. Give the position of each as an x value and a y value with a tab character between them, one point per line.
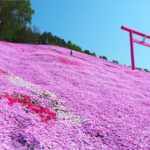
132	51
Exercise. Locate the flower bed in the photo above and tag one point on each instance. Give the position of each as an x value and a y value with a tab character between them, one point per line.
44	113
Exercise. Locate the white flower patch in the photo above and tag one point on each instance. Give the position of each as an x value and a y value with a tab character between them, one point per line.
58	105
19	82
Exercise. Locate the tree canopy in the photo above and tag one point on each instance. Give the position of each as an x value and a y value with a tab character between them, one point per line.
14	16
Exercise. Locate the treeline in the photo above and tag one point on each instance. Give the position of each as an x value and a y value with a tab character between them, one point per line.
33	36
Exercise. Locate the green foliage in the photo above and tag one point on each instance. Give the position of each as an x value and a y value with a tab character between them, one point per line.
89	53
73	46
146	70
93	53
14	16
103	57
49	38
27	35
115	61
138	68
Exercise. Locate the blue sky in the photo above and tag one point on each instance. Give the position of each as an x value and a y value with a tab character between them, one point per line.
95	25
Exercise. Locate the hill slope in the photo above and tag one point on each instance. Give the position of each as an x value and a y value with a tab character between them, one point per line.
50	100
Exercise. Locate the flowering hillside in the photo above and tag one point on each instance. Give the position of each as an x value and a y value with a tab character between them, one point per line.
50	100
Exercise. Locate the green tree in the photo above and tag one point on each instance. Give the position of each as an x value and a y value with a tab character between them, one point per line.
43	38
146	70
27	35
87	52
93	53
14	16
115	61
103	57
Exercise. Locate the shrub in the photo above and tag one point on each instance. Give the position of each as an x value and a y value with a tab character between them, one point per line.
87	52
138	68
115	61
103	57
146	70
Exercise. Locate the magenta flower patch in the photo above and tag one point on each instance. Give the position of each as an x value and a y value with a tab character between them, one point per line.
68	61
3	72
44	113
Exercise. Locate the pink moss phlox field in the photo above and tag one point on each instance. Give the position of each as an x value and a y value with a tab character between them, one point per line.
50	100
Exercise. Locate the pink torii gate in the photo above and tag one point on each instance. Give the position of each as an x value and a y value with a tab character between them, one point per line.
132	40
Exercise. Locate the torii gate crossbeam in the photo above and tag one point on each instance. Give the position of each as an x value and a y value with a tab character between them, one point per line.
132	41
